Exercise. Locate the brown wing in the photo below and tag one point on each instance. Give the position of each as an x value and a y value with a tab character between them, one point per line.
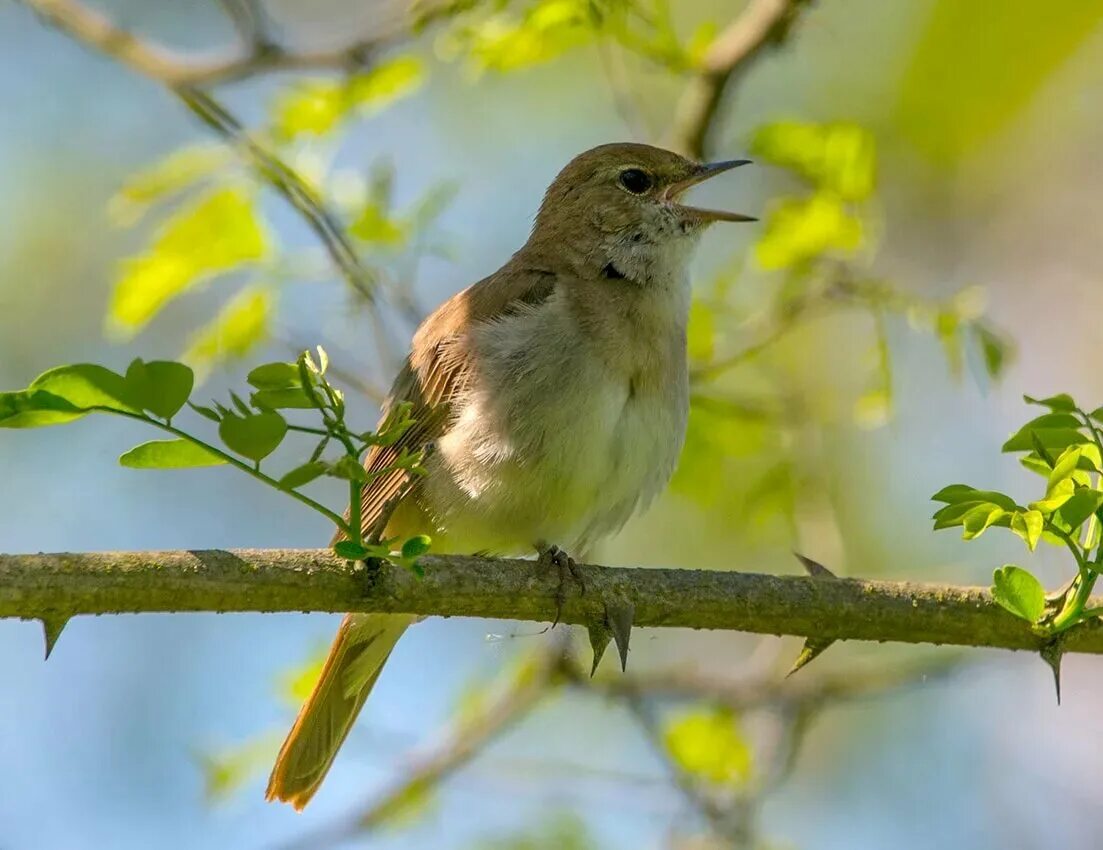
438	368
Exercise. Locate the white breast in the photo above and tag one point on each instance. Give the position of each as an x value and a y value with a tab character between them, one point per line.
551	445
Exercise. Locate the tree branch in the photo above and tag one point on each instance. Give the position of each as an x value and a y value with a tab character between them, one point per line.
762	23
57	586
176	69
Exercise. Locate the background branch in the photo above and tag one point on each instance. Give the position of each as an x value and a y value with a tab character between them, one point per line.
53	587
762	23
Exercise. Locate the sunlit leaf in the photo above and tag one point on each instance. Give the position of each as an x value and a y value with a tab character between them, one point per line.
1071	514
1062	402
838	158
1060	493
1028	525
229	770
180	170
386	82
982	517
293	398
37	409
86	385
799	230
1019	592
374	226
169	454
215	234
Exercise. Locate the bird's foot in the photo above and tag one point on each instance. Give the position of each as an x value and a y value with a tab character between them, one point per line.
568	571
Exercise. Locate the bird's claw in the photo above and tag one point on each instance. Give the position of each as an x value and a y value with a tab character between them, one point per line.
567	570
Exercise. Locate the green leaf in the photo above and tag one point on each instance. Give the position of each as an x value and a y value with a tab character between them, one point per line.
240	326
281	399
205	412
255	436
956	493
169	454
348	468
217	233
981	518
274	376
351	551
1052	439
1028	525
1075	510
1062	402
1066	465
309	107
1019	592
416	546
1062	491
160	386
952	515
304	474
37	409
86	385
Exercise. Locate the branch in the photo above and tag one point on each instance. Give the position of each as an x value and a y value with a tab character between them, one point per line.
54	587
763	23
176	69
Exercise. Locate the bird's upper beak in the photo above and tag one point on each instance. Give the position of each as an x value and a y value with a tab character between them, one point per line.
703	173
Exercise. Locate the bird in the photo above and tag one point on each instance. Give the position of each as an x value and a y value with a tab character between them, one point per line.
553	394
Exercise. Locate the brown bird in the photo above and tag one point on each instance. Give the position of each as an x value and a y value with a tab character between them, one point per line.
554	393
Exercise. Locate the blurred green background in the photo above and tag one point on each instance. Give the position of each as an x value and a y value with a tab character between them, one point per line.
987	122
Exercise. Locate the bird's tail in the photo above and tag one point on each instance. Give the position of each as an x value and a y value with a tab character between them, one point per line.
361	648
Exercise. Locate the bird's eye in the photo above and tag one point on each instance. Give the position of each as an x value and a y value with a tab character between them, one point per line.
635	181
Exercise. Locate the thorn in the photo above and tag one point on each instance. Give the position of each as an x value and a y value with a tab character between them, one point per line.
812	649
620	617
814	568
1051	654
51	631
600	635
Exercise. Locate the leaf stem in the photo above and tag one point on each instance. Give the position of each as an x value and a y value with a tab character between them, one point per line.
337	519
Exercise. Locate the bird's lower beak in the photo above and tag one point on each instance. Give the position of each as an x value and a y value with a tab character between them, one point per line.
704	172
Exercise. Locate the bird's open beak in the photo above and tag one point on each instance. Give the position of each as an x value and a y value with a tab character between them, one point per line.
703	173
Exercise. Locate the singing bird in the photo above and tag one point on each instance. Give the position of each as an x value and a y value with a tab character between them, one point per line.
553	394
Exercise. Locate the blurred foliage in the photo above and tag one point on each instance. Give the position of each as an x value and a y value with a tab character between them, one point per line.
709	745
1064	446
978	64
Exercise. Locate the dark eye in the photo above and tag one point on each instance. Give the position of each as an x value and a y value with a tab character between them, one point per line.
635	181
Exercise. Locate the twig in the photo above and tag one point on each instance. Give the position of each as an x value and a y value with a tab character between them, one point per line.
176	69
761	24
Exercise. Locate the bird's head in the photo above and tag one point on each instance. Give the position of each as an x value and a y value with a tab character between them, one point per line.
618	208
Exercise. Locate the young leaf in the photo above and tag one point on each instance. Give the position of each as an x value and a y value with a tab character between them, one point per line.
1019	592
351	551
958	493
416	546
205	412
348	468
169	454
1067	463
980	518
293	398
1083	503
1060	494
160	386
1028	525
254	436
304	474
274	376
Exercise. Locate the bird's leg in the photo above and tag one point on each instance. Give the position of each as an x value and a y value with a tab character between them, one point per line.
567	569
